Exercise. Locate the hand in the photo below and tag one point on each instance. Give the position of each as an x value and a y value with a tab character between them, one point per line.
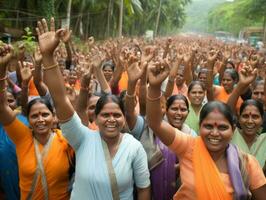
48	40
25	72
247	75
157	73
135	71
97	60
66	35
37	57
6	53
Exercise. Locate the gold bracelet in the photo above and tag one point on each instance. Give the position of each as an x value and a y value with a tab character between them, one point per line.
154	99
130	96
50	67
4	78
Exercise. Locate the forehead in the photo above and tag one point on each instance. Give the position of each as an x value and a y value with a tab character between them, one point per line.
251	109
227	75
107	67
178	103
196	87
215	117
39	107
111	107
259	87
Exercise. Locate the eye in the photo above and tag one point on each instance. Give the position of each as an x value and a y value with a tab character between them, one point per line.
245	116
255	116
105	115
208	126
46	114
223	127
34	116
117	115
183	110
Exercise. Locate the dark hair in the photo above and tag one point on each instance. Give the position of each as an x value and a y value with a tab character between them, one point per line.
223	108
39	100
231	63
108	63
172	98
233	73
256	83
193	83
202	70
252	102
107	98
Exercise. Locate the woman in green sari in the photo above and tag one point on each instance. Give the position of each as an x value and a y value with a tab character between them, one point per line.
196	94
248	137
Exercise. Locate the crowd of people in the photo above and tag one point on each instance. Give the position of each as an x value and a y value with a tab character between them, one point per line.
173	118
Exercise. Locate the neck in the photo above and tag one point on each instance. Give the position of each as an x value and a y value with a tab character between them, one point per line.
216	156
114	141
196	108
42	138
249	139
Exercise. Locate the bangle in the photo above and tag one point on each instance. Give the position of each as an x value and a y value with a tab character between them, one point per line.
130	96
50	67
154	99
4	78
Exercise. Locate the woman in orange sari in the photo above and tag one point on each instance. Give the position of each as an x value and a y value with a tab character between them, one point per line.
210	167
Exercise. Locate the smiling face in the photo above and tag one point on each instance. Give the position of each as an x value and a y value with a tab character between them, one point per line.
40	118
110	120
250	120
216	132
108	72
177	113
228	82
258	93
196	95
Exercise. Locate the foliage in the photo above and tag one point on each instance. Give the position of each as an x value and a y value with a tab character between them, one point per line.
235	16
100	17
29	40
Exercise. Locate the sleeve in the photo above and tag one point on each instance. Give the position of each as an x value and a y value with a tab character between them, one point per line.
138	128
256	176
74	131
181	143
140	168
17	131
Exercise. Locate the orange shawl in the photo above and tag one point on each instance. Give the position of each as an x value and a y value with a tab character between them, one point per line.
208	183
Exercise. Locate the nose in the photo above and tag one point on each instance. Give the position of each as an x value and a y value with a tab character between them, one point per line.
215	132
40	118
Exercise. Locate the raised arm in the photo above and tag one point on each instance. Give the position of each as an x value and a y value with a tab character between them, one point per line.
37	74
7	115
246	76
26	76
210	65
157	73
134	71
81	106
172	76
48	41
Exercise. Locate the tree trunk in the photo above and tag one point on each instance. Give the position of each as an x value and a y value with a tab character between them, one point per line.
264	30
120	25
68	13
158	19
109	17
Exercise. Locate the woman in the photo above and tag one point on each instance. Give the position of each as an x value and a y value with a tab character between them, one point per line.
43	154
207	162
9	178
228	81
108	163
196	94
161	160
248	137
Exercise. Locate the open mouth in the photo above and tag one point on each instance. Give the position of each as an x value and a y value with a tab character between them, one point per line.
214	141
